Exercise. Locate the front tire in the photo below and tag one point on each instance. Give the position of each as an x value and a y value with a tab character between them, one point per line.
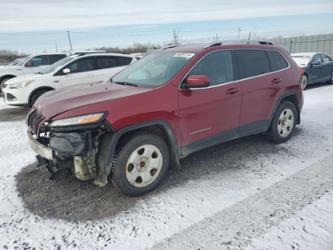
141	164
304	81
284	123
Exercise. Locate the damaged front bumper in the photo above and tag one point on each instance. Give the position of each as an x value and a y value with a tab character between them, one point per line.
39	148
72	149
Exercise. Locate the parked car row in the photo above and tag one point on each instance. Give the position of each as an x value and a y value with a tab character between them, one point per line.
71	70
158	110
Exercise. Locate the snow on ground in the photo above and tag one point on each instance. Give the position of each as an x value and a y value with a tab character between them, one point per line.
310	229
212	182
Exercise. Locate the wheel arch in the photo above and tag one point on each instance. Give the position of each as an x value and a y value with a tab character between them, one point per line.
291	96
48	88
111	141
7	76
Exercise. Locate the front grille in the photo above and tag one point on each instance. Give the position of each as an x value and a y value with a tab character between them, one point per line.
34	119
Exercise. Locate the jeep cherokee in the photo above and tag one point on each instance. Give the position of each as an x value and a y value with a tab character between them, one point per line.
164	107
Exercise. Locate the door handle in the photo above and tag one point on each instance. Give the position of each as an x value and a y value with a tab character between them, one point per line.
276	80
232	91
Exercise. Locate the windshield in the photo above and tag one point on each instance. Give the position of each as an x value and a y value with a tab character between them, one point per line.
153	70
55	65
18	61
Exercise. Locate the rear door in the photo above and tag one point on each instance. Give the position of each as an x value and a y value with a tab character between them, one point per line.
210	115
261	87
81	72
108	66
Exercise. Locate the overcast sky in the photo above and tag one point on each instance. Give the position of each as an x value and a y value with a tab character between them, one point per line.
32	18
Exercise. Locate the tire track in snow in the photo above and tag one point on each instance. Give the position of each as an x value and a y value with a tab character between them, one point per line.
235	226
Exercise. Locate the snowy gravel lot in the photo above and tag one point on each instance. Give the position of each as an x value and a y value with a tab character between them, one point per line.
246	194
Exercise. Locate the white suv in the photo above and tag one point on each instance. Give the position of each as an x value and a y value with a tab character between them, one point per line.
28	65
71	70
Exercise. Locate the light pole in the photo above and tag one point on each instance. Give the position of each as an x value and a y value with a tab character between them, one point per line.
69	40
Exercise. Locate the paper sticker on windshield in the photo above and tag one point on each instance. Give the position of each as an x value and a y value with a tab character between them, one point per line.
184	55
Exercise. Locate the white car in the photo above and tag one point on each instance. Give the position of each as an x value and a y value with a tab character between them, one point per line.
71	70
28	65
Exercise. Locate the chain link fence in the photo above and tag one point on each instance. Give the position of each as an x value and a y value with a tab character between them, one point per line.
316	43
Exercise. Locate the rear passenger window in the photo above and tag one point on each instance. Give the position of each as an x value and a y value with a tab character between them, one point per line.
122	60
277	61
106	62
217	66
252	63
55	58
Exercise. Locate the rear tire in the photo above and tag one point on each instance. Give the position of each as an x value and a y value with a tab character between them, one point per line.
141	164
36	95
284	123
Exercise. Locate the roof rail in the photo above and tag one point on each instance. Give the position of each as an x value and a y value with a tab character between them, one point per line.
265	42
239	42
214	44
169	46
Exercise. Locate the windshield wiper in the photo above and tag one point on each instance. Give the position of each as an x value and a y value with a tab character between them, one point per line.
126	84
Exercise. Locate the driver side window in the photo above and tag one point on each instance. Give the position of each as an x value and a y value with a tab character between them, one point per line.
218	66
38	61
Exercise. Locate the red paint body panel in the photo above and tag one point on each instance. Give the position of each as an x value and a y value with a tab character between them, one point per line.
194	114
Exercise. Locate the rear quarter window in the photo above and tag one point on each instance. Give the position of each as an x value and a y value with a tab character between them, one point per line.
122	60
277	61
252	63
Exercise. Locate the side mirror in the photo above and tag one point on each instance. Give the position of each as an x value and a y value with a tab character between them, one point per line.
196	81
66	71
28	65
316	63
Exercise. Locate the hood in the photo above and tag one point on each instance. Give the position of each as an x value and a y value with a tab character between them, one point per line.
26	77
9	68
57	102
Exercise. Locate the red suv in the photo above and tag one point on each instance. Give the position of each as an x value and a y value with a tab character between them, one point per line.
164	107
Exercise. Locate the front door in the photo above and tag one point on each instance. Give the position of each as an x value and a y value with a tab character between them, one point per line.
81	71
211	114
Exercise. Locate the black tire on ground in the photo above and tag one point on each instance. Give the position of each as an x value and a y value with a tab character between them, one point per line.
283	123
304	81
134	145
36	95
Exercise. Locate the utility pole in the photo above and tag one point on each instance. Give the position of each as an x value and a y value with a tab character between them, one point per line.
217	38
56	47
175	37
248	40
69	40
239	31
